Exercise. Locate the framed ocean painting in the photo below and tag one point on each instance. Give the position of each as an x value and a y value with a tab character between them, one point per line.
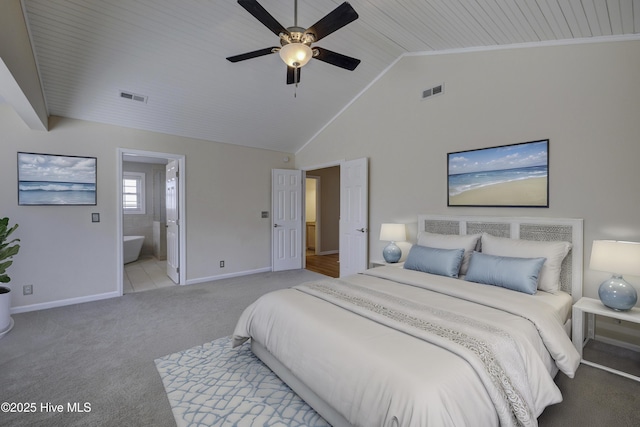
515	175
52	179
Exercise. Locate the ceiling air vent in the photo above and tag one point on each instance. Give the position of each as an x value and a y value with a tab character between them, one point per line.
433	91
133	96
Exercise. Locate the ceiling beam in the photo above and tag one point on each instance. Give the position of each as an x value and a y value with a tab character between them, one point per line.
19	80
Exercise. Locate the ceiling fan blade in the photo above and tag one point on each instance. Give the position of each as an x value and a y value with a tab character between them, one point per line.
334	20
261	14
337	59
254	54
293	76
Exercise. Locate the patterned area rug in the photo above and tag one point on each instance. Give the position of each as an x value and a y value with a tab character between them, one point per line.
216	385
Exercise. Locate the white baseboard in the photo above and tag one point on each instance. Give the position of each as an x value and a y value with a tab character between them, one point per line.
79	300
227	276
329	252
617	343
608	331
62	303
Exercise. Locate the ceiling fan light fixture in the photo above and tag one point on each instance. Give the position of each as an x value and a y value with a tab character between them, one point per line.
296	54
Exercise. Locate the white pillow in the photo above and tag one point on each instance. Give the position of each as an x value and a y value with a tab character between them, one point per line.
451	241
554	252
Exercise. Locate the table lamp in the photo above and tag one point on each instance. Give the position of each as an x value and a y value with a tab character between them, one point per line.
392	233
618	258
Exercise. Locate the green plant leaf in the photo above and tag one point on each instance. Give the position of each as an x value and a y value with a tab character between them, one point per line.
8	248
9	252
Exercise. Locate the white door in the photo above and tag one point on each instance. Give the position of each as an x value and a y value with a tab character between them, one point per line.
173	222
354	216
287	208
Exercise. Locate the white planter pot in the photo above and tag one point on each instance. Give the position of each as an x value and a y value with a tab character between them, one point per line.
6	322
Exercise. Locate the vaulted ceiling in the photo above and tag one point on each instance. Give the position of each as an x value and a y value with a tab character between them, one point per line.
172	54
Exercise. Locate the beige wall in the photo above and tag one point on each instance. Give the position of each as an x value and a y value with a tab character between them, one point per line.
310	197
585	98
65	256
329	208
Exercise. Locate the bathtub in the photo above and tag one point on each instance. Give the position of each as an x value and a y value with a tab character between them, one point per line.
131	246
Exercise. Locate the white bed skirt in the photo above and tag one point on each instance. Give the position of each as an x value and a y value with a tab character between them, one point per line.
312	399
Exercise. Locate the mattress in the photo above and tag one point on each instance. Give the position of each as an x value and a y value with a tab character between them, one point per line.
338	339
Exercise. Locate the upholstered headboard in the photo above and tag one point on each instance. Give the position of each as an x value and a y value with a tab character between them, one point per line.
526	228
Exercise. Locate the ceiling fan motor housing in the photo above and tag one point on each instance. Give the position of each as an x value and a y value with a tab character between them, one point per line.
297	35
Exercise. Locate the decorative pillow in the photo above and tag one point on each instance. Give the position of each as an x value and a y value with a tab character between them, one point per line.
451	241
554	252
518	274
444	262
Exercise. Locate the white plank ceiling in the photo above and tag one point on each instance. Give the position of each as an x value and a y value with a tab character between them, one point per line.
173	53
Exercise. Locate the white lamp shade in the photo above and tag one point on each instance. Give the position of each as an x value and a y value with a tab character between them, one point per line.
615	257
296	54
393	232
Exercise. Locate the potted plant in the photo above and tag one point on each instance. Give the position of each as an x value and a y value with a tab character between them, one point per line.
8	248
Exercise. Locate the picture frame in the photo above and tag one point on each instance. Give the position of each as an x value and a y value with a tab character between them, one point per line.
56	180
514	175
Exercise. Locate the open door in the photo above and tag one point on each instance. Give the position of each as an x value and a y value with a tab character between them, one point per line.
173	222
287	194
287	216
354	216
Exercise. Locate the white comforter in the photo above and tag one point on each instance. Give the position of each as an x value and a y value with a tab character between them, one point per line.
375	375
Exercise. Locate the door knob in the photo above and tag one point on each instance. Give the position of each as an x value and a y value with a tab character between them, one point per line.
362	230
276	225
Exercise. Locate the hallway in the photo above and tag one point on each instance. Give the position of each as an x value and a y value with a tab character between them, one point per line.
329	265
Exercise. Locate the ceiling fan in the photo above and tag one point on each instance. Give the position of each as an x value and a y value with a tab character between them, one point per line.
295	42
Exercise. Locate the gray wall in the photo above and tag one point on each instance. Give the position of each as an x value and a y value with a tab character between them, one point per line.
68	258
329	208
585	98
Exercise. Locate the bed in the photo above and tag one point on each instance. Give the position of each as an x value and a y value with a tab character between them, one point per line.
470	331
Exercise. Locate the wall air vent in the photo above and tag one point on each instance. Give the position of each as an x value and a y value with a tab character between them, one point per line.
133	96
433	91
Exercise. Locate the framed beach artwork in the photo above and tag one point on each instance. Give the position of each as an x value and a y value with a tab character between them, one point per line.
515	175
52	179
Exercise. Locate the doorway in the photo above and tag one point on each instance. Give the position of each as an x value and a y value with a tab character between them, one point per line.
322	221
352	216
142	205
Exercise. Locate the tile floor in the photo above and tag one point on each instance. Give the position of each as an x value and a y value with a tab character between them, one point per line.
145	274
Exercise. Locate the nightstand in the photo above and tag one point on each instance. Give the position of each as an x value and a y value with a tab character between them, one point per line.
382	263
591	307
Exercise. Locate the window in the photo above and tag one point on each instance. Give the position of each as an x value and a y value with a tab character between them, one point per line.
133	193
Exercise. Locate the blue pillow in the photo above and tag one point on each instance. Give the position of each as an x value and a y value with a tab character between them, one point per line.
518	274
444	262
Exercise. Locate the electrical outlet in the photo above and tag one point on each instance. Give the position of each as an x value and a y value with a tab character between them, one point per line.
221	264
27	290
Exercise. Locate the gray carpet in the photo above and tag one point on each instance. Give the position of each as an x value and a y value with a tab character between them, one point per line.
103	353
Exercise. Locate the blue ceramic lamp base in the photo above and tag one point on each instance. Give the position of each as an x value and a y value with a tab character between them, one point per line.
617	294
392	253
